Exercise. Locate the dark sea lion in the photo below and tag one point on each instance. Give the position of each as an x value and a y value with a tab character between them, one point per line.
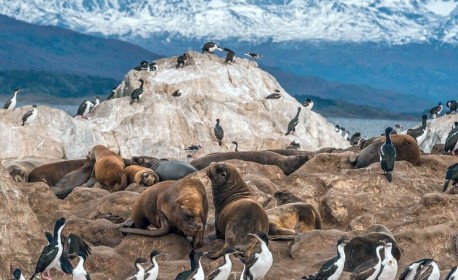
52	173
405	145
141	175
285	197
288	164
292	152
362	248
236	211
173	169
73	179
293	218
108	169
145	161
172	206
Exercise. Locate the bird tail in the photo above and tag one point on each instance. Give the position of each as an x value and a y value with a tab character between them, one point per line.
220	142
389	176
33	276
445	185
309	277
286	133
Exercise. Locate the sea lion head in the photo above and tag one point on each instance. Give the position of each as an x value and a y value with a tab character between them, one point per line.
18	173
222	174
149	179
145	161
92	154
285	196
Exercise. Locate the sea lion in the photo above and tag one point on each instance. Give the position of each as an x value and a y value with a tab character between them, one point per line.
141	175
108	169
172	206
73	179
236	211
19	170
293	218
288	164
292	152
145	161
405	145
164	168
285	197
51	173
362	248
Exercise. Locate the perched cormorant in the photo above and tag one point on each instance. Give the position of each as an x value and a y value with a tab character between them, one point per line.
153	66
409	272
259	264
152	272
355	139
453	106
293	123
136	95
79	272
96	102
389	264
198	273
30	116
229	55
452	174
436	110
177	93
236	146
428	270
419	133
223	272
451	143
274	95
112	94
453	274
85	108
333	268
11	103
144	66
181	60
139	270
388	155
185	274
219	132
210	47
308	104
368	270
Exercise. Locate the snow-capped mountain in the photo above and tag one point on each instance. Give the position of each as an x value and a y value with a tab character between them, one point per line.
390	21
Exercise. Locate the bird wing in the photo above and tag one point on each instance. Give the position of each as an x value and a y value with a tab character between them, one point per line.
75	244
364	270
424	273
387	156
327	269
249	262
47	255
27	115
404	273
213	274
82	108
451	139
7	104
415	132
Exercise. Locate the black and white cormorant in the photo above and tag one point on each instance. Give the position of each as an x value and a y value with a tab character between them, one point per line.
11	103
80	272
259	264
419	133
144	66
452	106
436	110
333	268
219	132
181	60
451	143
85	108
308	104
139	270
211	47
224	271
177	93
112	94
388	155
370	269
428	270
17	274
198	273
236	146
185	274
275	95
96	102
253	55
50	256
30	116
389	264
355	139
137	94
453	274
294	145
230	55
152	272
293	123
409	272
451	174
153	66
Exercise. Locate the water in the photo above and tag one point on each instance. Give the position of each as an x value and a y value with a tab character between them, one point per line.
370	127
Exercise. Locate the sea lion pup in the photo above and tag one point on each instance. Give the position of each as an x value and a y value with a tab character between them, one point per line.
293	218
51	173
236	211
141	175
406	149
285	196
73	179
108	169
288	164
171	206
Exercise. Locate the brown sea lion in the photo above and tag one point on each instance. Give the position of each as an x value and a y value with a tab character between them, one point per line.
362	248
292	152
285	197
141	175
172	206
406	149
288	164
293	218
108	169
236	211
53	172
73	179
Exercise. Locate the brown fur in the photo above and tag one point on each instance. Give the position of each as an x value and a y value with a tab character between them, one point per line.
285	197
141	175
406	149
293	218
173	206
288	164
73	179
53	172
109	168
236	211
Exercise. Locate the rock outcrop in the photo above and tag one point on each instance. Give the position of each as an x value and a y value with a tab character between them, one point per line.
163	125
437	131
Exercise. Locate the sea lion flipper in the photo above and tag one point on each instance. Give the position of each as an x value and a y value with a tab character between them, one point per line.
146	232
282	237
